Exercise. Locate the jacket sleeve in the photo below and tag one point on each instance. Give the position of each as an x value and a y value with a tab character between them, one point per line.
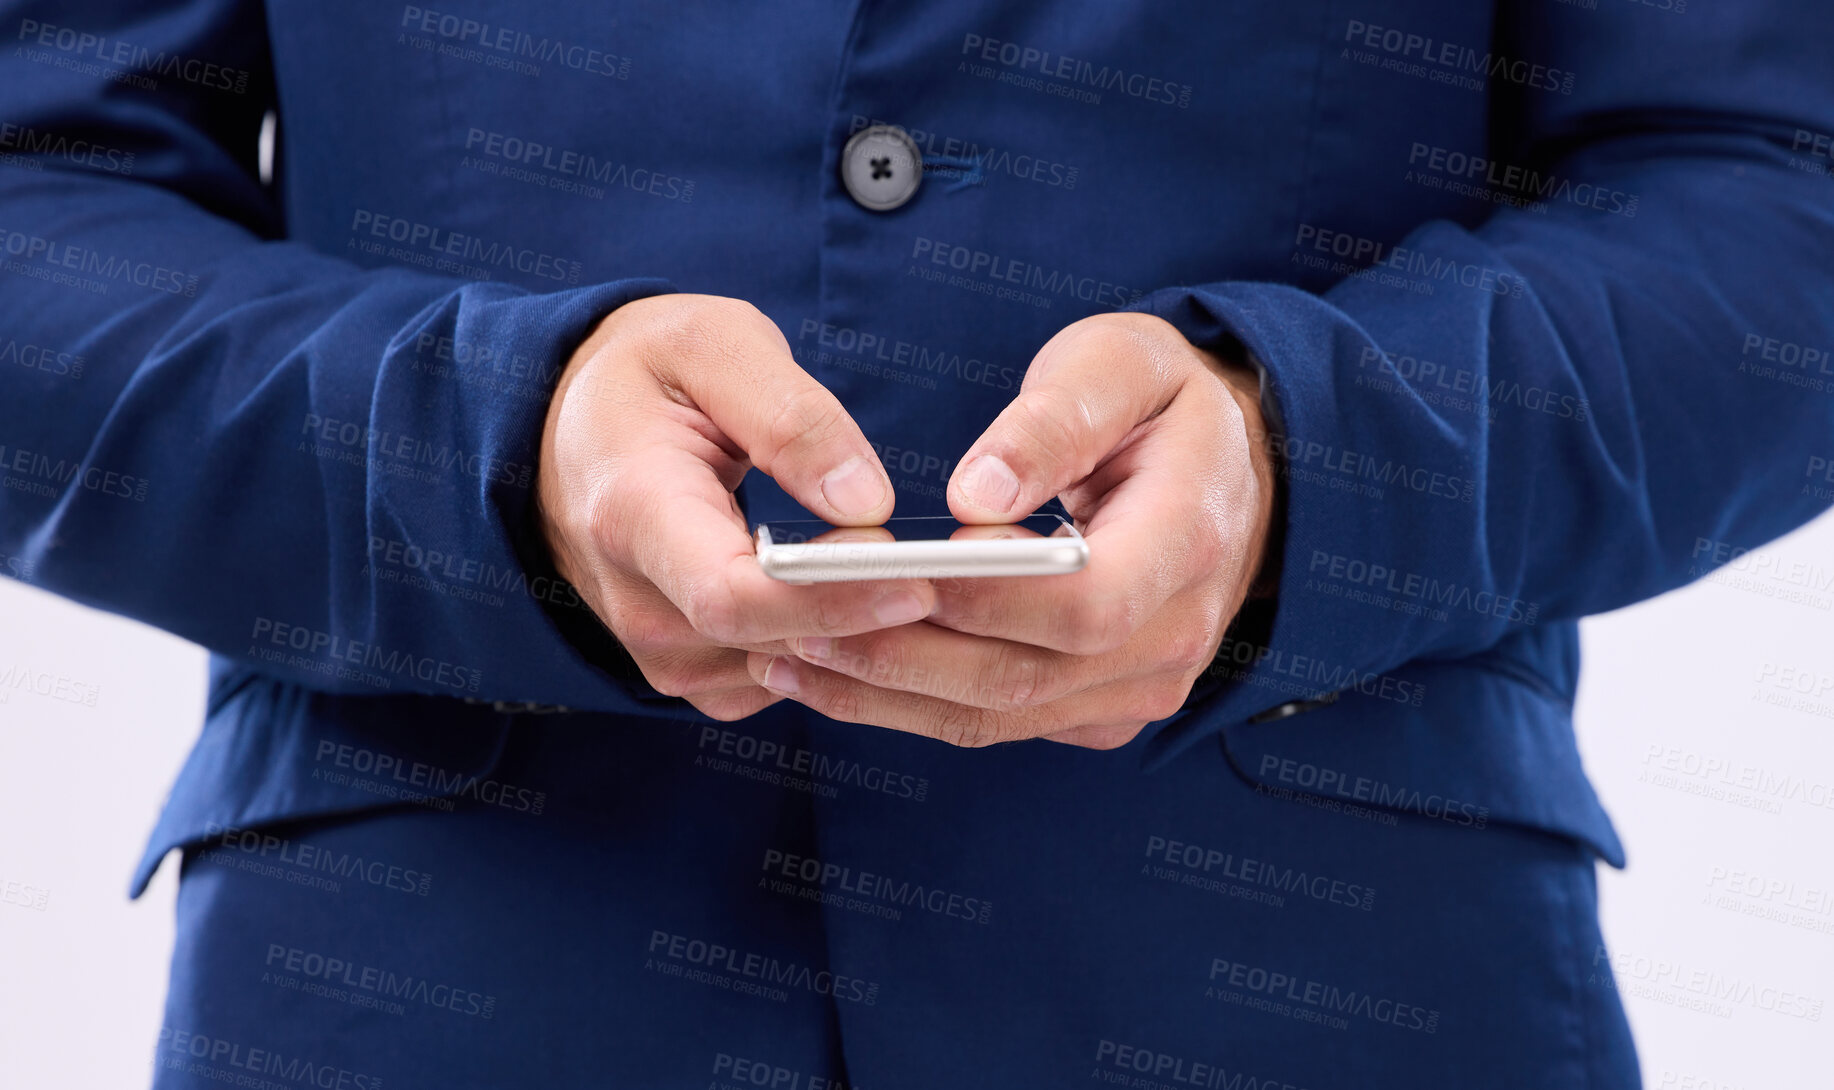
1598	398
258	447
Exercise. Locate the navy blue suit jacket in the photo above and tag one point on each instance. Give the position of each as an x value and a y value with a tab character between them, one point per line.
1541	295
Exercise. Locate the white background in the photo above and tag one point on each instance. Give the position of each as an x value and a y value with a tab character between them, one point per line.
1672	688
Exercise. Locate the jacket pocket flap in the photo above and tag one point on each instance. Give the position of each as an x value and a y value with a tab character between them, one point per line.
1507	755
272	751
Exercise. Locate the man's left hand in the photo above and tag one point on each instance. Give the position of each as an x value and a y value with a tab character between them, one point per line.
1158	450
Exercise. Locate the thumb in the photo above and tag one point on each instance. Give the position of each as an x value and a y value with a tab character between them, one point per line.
1087	388
790	426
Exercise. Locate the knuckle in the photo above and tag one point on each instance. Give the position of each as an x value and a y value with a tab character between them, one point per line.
594	522
727	707
1205	549
1100	624
1189	653
879	661
805	417
1159	702
966	727
697	332
966	607
670	677
1109	737
701	320
831	616
1016	678
642	631
618	514
843	702
1055	422
713	612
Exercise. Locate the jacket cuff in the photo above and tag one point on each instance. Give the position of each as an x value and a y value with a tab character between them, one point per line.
493	367
1290	648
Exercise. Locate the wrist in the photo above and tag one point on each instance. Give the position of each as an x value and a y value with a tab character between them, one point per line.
1242	381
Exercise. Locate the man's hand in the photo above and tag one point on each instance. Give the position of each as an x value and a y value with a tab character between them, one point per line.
1156	449
654	422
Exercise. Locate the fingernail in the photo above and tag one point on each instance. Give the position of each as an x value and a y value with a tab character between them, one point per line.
815	647
901	608
990	484
780	677
854	487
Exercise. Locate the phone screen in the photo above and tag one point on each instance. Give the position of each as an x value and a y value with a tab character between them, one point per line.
916	528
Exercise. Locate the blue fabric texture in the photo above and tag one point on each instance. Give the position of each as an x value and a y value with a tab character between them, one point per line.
1541	296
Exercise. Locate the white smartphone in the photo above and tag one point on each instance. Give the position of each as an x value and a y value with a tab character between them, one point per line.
924	547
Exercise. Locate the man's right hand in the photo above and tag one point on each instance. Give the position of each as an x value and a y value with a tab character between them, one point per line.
653	424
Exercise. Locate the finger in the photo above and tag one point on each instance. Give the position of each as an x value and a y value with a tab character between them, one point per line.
986	673
1161	526
1087	388
734	704
1133	703
648	625
740	373
1096	735
687	537
698	673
